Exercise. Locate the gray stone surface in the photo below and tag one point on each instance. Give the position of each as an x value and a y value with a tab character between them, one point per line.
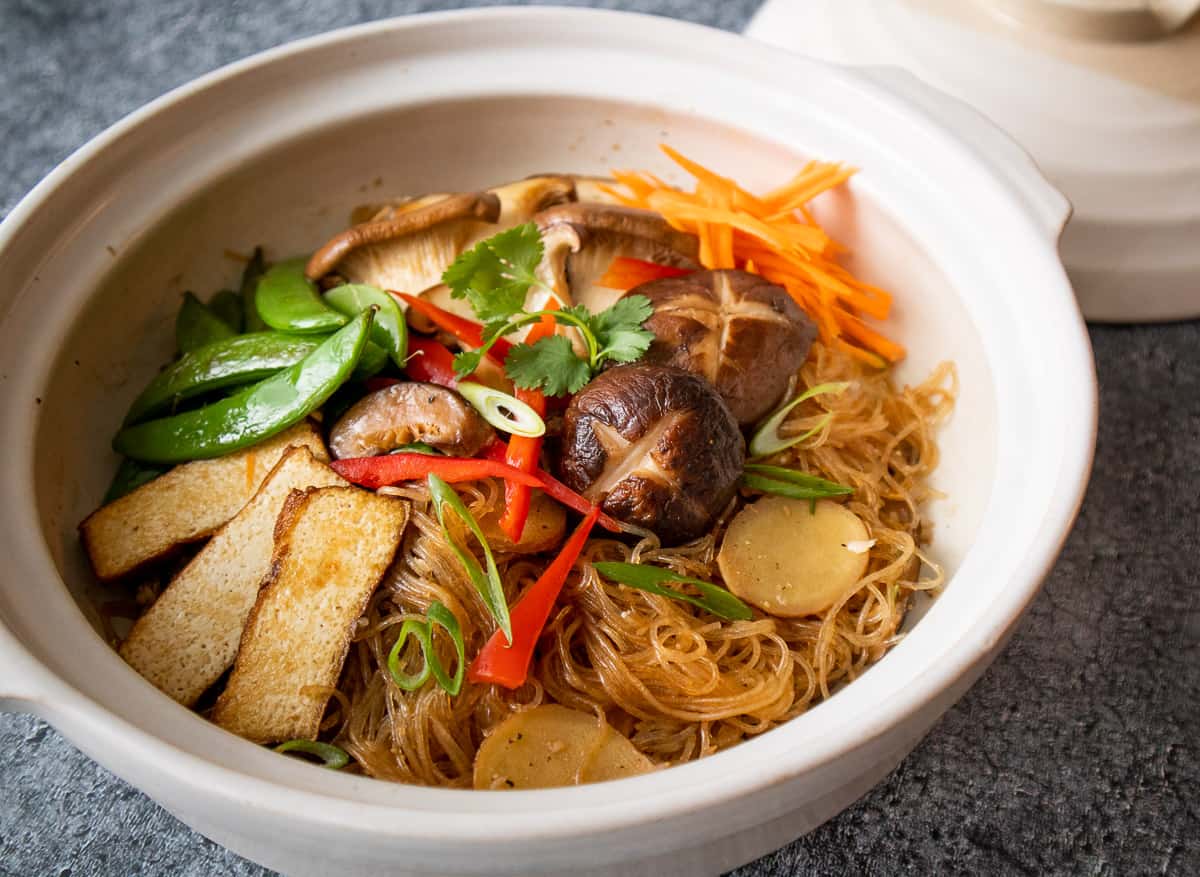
1076	753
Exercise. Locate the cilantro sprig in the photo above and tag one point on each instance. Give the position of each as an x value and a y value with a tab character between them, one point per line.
495	277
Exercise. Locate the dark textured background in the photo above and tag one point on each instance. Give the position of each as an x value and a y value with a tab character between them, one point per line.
1076	753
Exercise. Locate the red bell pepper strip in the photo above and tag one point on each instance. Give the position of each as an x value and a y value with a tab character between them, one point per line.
553	488
524	452
559	492
375	472
502	664
430	361
466	331
625	273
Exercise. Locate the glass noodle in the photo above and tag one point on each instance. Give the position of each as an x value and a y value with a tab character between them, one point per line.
679	682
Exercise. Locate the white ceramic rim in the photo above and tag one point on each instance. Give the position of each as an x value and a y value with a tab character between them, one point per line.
607	807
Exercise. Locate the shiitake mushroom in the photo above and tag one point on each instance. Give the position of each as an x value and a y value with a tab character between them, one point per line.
740	331
655	446
410	412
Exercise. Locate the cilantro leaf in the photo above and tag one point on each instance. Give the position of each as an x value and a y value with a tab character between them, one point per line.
619	329
550	365
495	275
626	344
465	363
630	311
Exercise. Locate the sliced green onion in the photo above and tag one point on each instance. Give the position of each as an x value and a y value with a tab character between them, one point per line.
335	757
505	412
490	588
795	491
713	598
767	440
790	482
423	631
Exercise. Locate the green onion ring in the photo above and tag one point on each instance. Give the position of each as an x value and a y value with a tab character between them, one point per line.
506	413
423	630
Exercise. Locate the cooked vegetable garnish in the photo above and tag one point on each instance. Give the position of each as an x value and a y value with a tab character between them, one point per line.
496	275
227	305
524	452
335	757
466	331
130	476
488	584
251	321
196	325
376	472
780	237
430	361
501	664
713	598
239	360
388	330
767	440
506	413
253	414
289	301
374	359
556	490
626	273
789	482
423	631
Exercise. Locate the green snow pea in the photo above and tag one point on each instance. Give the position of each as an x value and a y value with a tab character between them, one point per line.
373	360
227	305
389	330
257	412
251	321
242	359
288	301
196	325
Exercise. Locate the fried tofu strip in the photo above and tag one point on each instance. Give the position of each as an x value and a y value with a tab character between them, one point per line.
189	637
184	505
332	547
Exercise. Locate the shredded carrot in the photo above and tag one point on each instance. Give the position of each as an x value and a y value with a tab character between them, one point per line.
776	236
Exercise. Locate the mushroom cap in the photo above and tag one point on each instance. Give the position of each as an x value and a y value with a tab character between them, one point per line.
407	245
656	447
743	333
410	412
604	232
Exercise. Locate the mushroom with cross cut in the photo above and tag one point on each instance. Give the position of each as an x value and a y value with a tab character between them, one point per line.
654	446
740	331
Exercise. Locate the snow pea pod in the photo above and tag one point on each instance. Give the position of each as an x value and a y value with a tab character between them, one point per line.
389	330
257	412
242	359
251	321
371	363
196	325
288	301
227	305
